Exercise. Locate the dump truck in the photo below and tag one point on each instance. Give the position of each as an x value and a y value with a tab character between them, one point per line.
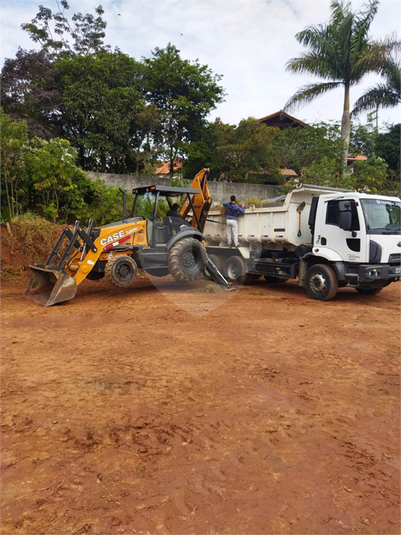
324	238
160	245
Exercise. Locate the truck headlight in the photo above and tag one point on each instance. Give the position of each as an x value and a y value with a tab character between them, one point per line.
373	273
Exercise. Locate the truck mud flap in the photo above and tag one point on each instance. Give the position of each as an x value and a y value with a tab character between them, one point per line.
49	286
215	273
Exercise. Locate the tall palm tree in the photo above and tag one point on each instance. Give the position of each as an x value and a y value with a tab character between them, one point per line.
385	95
342	53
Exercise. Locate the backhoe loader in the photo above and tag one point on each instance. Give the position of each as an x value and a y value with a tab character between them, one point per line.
159	245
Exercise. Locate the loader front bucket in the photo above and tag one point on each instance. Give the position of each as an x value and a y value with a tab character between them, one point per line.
49	286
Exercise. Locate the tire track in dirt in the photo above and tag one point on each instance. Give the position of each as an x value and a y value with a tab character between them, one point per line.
121	413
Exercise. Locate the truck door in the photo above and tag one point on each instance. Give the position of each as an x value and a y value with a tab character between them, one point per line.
334	241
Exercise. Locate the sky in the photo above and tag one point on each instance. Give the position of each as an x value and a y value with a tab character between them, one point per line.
248	42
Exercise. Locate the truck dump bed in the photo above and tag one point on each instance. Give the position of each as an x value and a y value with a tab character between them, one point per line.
284	222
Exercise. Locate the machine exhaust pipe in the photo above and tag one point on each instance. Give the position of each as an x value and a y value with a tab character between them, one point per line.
49	286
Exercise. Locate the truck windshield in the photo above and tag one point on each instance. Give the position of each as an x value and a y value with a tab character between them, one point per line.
381	216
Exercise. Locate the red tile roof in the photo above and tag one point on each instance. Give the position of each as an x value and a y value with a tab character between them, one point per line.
359	158
165	168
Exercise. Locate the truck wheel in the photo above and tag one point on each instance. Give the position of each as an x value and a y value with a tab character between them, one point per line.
187	259
217	262
235	270
321	282
369	291
122	270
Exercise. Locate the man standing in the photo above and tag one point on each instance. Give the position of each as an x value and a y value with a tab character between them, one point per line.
232	224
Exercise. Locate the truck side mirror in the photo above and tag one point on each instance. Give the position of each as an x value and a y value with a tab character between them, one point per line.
345	220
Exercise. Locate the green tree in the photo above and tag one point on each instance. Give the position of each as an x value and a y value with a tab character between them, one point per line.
308	150
369	175
14	143
29	91
60	36
236	153
387	95
363	139
52	170
103	113
245	153
342	53
184	93
387	146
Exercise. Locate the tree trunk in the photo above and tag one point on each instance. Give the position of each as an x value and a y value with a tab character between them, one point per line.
345	128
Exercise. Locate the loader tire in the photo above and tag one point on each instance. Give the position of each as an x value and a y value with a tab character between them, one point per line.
122	270
321	282
187	259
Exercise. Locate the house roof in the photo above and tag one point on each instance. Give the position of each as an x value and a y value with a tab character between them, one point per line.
165	167
288	172
359	158
282	120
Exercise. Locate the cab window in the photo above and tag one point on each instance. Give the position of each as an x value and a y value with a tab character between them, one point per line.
333	214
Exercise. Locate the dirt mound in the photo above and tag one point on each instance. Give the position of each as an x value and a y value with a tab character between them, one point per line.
24	242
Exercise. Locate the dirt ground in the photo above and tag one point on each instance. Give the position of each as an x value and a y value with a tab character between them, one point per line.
164	410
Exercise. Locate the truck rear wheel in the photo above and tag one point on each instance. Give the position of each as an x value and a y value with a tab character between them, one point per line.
321	282
187	260
235	270
122	270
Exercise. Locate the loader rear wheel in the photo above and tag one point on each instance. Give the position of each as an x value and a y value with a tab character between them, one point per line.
321	282
122	270
187	259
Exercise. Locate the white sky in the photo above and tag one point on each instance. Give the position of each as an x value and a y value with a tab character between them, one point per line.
247	41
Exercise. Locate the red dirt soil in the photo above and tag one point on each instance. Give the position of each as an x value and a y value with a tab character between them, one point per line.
175	411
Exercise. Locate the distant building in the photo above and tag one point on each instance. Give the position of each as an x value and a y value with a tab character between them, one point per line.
351	160
164	170
282	120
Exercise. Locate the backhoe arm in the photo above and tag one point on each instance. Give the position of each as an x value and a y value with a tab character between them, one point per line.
201	201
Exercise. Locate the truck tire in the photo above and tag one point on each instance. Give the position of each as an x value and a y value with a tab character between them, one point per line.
217	262
235	270
122	270
369	291
321	282
187	259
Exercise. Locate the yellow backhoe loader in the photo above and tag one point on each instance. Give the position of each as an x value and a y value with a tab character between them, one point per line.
159	245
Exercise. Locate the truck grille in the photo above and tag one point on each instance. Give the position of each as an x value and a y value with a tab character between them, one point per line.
394	259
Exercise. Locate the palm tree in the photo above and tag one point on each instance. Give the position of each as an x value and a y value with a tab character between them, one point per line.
342	53
385	95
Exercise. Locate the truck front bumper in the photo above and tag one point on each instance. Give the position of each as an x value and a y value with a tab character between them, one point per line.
371	274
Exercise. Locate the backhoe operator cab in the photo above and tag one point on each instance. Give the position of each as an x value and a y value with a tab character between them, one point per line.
160	229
